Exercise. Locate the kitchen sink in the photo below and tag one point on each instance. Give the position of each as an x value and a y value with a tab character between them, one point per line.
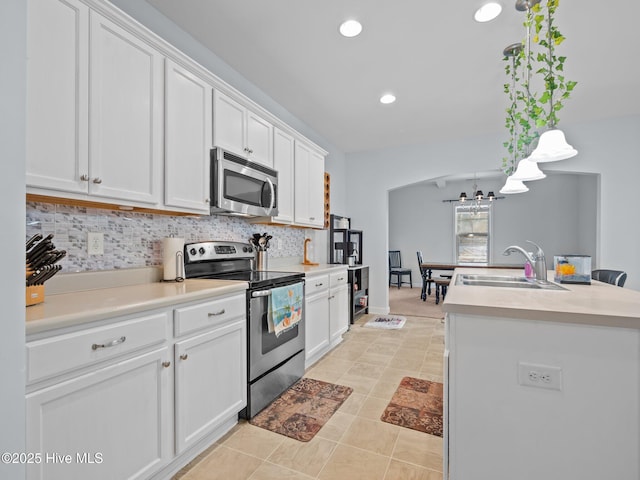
506	281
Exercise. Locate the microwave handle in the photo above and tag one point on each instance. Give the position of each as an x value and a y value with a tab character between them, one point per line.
273	195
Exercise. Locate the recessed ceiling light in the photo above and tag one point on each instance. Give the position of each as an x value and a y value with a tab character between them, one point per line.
350	28
387	98
487	12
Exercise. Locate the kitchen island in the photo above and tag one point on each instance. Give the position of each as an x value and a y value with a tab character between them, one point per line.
541	383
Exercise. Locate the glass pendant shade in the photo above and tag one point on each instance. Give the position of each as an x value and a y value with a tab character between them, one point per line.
552	147
527	171
513	186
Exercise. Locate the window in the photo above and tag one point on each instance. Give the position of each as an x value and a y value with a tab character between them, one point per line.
472	233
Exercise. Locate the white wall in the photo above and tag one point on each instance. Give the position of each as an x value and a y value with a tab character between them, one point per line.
12	214
607	147
561	218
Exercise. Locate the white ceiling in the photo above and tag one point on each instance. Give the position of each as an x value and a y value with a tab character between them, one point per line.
445	69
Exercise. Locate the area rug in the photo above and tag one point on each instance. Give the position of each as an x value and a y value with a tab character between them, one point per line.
302	410
388	322
416	404
406	301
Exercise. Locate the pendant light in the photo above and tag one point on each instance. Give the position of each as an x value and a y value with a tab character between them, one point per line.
527	171
512	186
552	145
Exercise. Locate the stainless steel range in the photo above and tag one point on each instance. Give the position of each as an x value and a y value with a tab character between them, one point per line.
275	362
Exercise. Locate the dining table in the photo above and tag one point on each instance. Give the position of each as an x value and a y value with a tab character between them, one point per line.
441	284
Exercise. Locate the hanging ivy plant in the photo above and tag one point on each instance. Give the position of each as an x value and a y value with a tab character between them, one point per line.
557	88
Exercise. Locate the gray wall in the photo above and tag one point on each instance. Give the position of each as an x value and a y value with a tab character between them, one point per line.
606	147
12	212
558	213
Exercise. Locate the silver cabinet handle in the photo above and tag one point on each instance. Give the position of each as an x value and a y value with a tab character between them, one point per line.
312	218
215	314
97	180
166	364
84	177
112	343
332	296
184	356
340	279
319	284
207	200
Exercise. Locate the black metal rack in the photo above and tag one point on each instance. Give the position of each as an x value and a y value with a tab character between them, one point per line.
344	242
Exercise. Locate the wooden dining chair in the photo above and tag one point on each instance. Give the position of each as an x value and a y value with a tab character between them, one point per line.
426	281
395	268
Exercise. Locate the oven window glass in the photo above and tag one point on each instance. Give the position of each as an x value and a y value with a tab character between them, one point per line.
244	189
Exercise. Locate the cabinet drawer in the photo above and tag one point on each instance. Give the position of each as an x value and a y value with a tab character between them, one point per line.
316	284
56	355
338	278
208	314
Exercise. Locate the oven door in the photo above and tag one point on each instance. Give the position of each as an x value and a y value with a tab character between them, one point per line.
241	186
266	350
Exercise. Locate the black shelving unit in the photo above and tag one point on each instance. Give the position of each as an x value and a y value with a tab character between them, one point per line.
344	242
359	292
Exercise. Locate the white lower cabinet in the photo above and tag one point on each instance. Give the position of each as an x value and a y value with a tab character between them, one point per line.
137	397
111	423
327	313
210	382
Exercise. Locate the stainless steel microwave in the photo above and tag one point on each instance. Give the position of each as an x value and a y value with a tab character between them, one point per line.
242	187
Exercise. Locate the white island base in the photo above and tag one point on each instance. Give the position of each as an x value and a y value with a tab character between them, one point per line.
533	399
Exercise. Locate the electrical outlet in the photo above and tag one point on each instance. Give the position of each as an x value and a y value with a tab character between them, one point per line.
541	376
95	243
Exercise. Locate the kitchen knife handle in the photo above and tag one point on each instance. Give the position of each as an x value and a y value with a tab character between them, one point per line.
112	343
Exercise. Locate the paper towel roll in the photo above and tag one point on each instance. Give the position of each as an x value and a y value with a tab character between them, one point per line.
172	263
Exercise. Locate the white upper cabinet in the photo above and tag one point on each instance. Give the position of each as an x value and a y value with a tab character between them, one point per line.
94	93
57	99
241	131
125	114
188	139
309	186
283	155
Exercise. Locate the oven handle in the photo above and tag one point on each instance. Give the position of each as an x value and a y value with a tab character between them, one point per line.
261	293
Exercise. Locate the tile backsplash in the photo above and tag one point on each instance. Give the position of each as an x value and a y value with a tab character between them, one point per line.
135	239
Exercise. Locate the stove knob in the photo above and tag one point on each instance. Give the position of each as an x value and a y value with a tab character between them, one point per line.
201	250
246	249
192	251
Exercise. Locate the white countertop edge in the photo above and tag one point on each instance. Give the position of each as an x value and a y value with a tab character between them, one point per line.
598	304
75	308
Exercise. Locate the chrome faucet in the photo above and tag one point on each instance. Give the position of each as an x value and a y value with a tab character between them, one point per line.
537	260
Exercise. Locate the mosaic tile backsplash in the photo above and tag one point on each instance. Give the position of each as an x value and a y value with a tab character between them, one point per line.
135	239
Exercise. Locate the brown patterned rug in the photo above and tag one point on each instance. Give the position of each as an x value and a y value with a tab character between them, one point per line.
417	404
302	410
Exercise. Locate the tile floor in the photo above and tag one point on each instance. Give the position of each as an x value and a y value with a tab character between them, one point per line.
355	444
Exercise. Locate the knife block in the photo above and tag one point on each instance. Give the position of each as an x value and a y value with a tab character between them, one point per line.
34	295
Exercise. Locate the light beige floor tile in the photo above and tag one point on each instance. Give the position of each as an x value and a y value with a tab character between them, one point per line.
405	471
324	375
304	457
334	363
372	435
254	441
365	370
336	426
372	358
395	375
223	464
348	463
384	389
373	407
269	471
384	348
360	384
406	362
419	448
353	404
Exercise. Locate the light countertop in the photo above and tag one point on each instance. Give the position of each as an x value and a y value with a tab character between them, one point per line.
69	309
595	304
310	269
